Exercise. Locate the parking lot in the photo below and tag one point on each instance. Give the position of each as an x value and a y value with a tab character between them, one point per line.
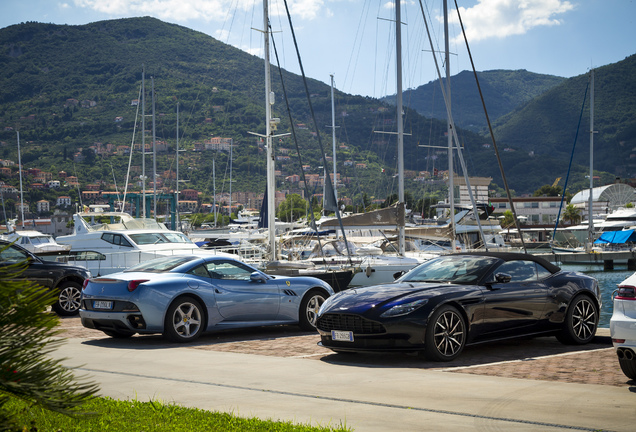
541	358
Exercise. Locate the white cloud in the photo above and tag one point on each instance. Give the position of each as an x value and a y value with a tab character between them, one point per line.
185	10
502	18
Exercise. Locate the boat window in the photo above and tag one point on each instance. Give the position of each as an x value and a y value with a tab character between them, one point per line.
116	239
88	256
176	238
160	265
41	240
228	270
158	238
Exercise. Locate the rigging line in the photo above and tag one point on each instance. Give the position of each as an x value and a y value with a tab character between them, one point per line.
454	136
357	41
313	116
310	195
565	185
492	135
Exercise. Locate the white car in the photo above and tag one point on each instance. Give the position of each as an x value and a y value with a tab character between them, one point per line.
623	325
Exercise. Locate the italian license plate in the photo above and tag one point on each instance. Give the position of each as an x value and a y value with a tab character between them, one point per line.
339	335
102	304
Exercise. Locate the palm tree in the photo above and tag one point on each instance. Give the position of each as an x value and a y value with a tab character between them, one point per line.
571	214
27	333
508	219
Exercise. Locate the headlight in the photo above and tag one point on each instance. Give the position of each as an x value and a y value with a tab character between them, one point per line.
404	309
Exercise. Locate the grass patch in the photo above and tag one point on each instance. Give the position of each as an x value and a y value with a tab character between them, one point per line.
106	414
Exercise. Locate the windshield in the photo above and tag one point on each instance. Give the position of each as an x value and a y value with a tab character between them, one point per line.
452	269
159	265
157	238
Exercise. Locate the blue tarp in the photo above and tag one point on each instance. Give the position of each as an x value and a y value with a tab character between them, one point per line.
616	237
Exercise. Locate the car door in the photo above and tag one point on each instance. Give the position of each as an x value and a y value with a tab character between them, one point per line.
240	299
515	306
36	271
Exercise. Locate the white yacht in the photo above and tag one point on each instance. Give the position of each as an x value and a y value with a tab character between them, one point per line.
107	242
33	241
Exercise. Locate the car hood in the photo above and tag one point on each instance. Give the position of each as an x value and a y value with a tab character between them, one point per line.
379	297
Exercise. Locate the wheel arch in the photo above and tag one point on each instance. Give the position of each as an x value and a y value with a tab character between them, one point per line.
457	306
587	294
191	295
69	278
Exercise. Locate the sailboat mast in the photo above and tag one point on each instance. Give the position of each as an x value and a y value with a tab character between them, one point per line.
21	190
154	153
177	175
590	234
143	140
400	125
271	182
451	171
333	140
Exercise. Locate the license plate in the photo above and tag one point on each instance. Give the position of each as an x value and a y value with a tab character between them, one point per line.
102	304
339	335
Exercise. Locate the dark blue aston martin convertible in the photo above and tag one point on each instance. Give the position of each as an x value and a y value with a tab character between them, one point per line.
454	300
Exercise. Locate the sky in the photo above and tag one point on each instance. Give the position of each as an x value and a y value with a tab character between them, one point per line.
354	40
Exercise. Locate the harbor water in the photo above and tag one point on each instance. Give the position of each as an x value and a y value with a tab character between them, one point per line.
607	281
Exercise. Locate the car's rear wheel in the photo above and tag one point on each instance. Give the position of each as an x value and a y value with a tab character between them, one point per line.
445	334
580	322
184	320
628	366
309	307
68	299
118	334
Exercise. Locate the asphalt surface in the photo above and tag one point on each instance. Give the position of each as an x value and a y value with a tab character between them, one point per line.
280	374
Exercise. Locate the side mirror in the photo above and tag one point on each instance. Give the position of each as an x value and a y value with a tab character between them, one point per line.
258	277
399	274
502	278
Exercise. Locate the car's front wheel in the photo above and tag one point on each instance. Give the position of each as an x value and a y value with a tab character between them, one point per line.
445	334
580	322
184	320
309	307
68	299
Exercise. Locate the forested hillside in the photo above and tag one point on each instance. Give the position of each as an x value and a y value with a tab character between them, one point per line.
503	91
71	90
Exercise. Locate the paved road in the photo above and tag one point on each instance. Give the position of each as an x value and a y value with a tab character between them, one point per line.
365	396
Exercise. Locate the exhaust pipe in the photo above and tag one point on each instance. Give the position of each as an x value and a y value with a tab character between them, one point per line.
625	353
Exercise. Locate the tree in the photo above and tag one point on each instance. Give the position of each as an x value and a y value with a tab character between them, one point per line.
571	214
293	208
508	219
547	190
27	333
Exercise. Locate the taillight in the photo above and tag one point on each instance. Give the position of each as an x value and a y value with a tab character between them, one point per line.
133	284
626	292
86	281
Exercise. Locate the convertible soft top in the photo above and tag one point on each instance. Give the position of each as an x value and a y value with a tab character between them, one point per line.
511	256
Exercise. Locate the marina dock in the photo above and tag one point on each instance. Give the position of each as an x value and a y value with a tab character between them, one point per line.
608	259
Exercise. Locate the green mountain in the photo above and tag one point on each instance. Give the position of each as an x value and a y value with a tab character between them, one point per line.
503	91
69	91
547	125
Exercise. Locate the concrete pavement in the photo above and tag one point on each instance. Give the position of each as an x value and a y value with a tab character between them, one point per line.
361	396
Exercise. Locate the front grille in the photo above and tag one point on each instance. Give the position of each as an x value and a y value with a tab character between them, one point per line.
348	322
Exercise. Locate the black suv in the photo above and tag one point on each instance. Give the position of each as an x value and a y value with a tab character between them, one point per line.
64	279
